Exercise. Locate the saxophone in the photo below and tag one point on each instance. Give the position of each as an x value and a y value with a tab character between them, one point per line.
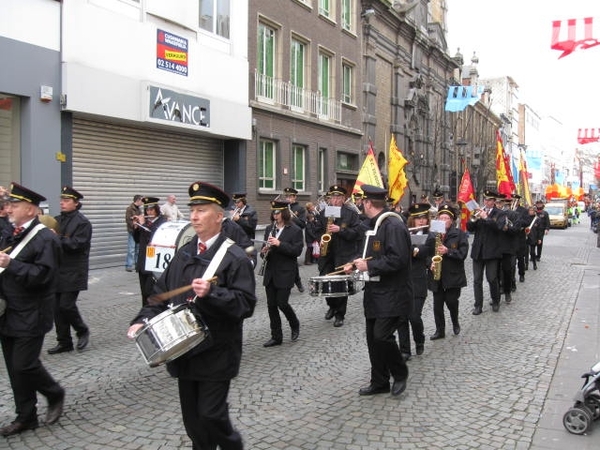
326	237
437	258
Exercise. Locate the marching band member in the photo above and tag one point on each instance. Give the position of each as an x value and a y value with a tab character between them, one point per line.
418	218
386	256
299	219
205	372
345	234
487	224
144	228
454	249
281	250
244	215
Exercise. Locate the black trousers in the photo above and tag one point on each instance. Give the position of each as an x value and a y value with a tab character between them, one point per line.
490	266
339	305
414	322
448	297
27	375
66	315
206	415
507	272
278	300
384	353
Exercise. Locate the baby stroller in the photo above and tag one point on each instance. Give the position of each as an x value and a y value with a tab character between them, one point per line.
586	409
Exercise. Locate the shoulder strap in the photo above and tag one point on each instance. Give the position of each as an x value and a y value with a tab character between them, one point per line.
216	261
24	242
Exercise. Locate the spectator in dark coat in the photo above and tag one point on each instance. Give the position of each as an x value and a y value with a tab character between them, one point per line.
75	234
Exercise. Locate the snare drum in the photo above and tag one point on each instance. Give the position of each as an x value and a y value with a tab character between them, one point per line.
167	239
169	335
334	286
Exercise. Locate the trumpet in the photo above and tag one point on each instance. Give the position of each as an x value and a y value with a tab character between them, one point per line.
475	215
350	204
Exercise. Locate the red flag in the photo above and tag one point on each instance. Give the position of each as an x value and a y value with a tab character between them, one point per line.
466	193
504	178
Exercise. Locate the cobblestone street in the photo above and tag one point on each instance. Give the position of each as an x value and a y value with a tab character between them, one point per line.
488	388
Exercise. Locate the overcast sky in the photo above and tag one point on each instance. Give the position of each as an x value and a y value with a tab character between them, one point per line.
512	38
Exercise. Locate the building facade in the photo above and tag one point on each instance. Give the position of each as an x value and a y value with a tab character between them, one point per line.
305	94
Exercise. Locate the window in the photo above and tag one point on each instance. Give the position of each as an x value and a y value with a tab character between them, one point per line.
266	60
347	161
324	82
214	16
348	15
322	170
298	167
266	165
347	83
325	8
297	55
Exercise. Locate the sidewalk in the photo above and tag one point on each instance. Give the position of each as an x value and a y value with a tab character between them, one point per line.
580	351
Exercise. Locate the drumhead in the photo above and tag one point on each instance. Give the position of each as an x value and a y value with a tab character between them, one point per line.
167	239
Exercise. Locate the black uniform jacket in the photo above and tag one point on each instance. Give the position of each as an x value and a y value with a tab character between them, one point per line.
298	214
282	260
248	221
344	245
487	243
390	249
453	262
420	265
75	234
230	301
143	238
29	282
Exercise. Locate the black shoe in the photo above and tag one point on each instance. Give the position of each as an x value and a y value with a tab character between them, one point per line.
437	335
55	410
338	322
526	266
477	310
521	278
538	258
60	348
507	298
300	287
18	427
372	390
406	356
456	329
496	306
83	340
129	269
295	333
398	387
534	266
271	343
420	349
329	314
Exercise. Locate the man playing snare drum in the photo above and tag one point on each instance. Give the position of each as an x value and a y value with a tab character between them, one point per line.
204	373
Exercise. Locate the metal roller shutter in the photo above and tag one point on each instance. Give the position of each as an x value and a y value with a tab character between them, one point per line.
112	163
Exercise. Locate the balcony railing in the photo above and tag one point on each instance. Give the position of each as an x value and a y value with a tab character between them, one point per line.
286	95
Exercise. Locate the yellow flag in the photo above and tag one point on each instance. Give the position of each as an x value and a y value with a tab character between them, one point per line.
396	174
369	173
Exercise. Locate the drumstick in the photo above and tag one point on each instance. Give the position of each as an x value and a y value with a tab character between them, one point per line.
342	271
366	259
159	298
7	249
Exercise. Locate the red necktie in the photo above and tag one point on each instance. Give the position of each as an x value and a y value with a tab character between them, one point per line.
18	230
201	247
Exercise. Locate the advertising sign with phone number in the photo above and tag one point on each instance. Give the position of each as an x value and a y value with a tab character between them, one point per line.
171	53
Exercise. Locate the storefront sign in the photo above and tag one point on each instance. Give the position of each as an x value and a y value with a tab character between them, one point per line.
176	107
